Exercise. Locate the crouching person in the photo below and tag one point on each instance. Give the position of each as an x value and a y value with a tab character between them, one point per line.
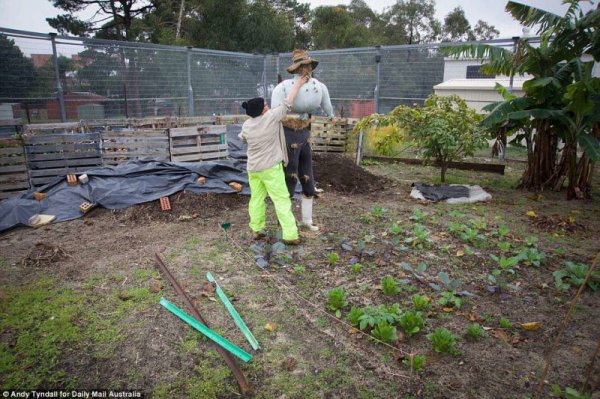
266	153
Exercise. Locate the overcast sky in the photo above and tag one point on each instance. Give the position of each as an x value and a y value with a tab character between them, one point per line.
31	14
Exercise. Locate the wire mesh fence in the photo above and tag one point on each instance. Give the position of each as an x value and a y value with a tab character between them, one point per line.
59	78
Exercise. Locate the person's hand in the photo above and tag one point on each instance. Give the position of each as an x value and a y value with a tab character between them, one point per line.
301	80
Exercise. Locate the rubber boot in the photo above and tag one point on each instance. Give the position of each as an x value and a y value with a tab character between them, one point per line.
307	222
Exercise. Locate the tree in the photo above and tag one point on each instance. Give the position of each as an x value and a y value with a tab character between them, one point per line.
561	99
456	26
484	31
18	74
120	15
412	21
443	130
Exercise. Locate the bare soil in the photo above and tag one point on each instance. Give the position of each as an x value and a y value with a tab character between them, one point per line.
106	259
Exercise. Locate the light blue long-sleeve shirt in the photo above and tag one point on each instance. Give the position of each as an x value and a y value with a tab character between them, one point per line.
311	96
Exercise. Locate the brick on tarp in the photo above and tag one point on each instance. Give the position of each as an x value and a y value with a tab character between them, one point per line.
165	204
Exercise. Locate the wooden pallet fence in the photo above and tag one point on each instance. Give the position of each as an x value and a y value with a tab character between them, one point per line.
329	135
128	144
198	143
14	178
9	128
52	155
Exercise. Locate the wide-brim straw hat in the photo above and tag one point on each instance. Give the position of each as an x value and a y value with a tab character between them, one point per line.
301	57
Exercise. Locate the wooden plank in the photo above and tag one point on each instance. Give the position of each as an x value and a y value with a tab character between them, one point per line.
199	157
201	149
183	131
67	163
134	146
59	171
52	126
60	138
13	169
213	129
11	150
12	161
13	178
133	155
17	185
10	194
64	148
480	167
139	133
62	155
327	149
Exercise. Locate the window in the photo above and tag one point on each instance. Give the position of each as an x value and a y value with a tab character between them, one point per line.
473	73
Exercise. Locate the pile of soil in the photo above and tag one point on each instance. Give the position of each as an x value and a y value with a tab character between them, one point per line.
184	206
44	255
341	174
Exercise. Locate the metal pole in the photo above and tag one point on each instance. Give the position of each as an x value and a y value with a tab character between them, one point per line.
264	78
59	88
377	77
189	77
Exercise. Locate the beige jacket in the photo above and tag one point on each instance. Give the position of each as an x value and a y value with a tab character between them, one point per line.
265	138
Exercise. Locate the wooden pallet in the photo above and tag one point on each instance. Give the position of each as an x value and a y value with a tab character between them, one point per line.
128	144
52	155
14	178
330	135
198	143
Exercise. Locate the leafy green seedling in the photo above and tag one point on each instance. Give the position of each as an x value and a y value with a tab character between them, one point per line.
531	241
505	323
356	268
531	256
389	286
574	274
473	236
415	362
569	393
502	231
443	341
332	258
385	332
418	215
374	315
421	237
395	229
299	269
378	212
449	298
475	330
456	214
336	300
504	246
354	316
411	322
420	302
478	224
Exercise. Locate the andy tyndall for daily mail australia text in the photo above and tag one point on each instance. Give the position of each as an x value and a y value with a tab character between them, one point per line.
72	394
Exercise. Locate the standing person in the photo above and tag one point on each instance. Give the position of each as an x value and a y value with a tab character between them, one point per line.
297	129
266	151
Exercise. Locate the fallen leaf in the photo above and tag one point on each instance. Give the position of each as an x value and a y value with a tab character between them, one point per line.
459	253
448	310
208	290
531	326
289	364
531	214
571	219
270	327
469	316
500	334
353	330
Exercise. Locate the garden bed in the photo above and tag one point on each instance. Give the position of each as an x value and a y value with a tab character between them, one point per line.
79	300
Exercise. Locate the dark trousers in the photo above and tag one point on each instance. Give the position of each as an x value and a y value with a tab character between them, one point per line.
299	162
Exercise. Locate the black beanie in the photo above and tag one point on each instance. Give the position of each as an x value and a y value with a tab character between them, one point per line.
254	107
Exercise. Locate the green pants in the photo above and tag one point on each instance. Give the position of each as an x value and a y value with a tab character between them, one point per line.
271	181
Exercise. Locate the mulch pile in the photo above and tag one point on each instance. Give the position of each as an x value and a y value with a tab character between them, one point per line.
184	206
332	172
341	174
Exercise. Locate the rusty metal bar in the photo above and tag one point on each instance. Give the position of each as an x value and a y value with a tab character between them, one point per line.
239	376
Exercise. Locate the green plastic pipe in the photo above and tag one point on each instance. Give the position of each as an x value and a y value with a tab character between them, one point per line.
236	317
237	351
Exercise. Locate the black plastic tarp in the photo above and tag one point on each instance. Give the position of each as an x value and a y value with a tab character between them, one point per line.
122	186
441	192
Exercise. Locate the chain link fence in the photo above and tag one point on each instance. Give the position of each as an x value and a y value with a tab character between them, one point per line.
79	78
